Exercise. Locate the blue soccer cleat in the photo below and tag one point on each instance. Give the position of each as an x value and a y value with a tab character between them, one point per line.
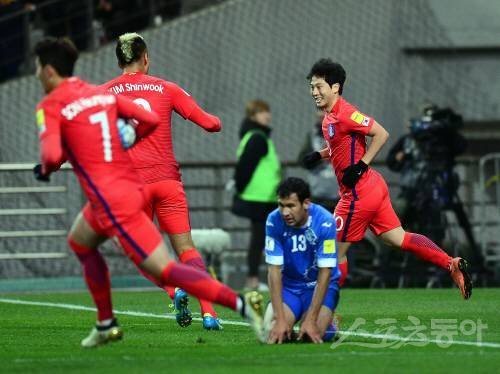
182	313
211	323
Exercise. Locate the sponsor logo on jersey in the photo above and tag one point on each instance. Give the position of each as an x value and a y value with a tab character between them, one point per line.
329	246
40	120
326	224
360	119
331	130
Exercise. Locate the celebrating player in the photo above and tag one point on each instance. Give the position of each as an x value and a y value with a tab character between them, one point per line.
302	262
364	196
78	122
154	160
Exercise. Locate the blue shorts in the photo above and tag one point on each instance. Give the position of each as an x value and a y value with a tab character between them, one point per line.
299	299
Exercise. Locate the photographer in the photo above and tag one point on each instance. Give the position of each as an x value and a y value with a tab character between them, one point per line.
426	158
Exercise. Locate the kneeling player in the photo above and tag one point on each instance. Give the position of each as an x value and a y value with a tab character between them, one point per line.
302	262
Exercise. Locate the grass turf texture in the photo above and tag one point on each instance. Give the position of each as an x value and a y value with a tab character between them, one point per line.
46	339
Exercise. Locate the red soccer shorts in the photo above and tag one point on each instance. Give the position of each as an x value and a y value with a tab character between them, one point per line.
372	209
135	232
167	200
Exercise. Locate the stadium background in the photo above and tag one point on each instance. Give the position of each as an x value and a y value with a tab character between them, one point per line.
398	55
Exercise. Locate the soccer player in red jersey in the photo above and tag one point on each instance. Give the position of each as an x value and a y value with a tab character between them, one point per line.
364	196
78	122
154	159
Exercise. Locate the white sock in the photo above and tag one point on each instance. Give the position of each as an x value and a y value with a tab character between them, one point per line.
104	322
239	304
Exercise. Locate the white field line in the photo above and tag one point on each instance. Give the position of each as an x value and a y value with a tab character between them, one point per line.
239	323
123	312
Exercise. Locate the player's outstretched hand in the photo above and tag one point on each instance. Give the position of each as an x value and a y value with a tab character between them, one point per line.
310	160
310	329
39	176
280	333
353	173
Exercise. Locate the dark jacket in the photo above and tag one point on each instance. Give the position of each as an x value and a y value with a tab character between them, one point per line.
254	151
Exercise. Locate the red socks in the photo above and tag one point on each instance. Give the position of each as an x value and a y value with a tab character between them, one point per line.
343	267
425	249
199	284
193	258
96	276
170	290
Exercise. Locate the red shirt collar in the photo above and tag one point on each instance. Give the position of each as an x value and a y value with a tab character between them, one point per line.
336	106
132	73
65	82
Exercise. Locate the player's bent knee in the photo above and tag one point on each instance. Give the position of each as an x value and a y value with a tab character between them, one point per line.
393	237
83	234
181	242
156	261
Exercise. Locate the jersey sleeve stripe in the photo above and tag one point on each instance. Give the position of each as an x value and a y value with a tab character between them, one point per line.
274	260
327	262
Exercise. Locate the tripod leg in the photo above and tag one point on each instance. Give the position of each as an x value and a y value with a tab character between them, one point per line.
464	223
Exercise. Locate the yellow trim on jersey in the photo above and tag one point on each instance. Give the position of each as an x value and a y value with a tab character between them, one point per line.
40	117
329	246
40	121
357	117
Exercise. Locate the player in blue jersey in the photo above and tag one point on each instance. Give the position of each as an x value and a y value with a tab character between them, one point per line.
302	266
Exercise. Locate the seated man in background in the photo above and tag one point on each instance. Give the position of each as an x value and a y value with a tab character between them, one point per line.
302	261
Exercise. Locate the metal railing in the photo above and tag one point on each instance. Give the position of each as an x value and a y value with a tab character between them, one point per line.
42	211
218	205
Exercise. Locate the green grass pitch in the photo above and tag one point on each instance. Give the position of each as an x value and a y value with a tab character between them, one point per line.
41	338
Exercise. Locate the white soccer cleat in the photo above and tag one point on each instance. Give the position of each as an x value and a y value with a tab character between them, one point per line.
254	314
103	335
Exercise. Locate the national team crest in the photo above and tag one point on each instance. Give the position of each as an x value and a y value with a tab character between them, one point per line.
331	130
311	236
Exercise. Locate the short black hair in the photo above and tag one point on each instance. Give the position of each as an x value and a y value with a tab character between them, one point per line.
331	72
129	48
60	53
294	185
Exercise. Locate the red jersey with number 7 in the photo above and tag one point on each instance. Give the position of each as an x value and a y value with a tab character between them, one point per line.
77	122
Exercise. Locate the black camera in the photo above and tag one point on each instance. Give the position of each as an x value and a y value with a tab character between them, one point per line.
437	137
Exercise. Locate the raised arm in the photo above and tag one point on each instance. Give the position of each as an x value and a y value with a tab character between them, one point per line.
205	120
189	109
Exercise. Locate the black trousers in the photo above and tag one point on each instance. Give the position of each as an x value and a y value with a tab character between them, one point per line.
256	248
